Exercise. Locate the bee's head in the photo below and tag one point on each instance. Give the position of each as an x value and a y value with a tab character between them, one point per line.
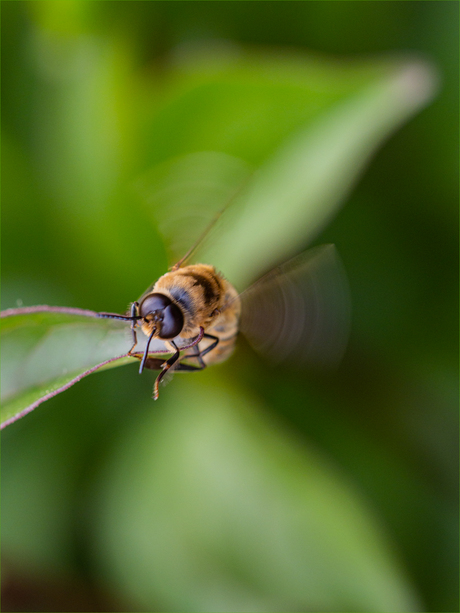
163	314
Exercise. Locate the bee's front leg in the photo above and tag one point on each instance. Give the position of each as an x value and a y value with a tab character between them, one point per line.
199	354
166	366
134	311
212	346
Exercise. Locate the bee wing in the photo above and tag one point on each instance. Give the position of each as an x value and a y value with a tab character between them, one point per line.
300	311
186	195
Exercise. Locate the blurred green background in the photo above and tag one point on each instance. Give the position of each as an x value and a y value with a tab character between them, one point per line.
244	458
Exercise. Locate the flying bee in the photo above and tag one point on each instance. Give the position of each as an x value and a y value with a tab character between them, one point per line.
193	310
298	312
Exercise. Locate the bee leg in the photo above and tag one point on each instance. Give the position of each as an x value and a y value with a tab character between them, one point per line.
166	366
196	354
195	341
154	363
199	355
211	346
189	367
194	344
134	310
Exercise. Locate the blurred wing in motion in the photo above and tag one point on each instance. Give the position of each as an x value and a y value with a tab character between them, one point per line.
185	196
300	311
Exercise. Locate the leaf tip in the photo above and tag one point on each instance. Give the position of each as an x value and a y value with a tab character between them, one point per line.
417	82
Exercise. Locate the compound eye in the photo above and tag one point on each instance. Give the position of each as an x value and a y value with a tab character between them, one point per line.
173	321
152	303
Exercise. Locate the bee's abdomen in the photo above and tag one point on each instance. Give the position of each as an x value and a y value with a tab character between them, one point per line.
225	327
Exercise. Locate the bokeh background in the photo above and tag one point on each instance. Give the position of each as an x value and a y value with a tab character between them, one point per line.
87	88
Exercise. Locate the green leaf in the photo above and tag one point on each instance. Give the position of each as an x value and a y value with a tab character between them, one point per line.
273	212
298	189
282	140
48	349
207	505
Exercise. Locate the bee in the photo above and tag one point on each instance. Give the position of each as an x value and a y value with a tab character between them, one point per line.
297	312
194	310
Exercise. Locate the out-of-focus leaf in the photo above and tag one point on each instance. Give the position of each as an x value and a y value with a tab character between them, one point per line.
296	191
207	506
313	125
48	349
246	103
